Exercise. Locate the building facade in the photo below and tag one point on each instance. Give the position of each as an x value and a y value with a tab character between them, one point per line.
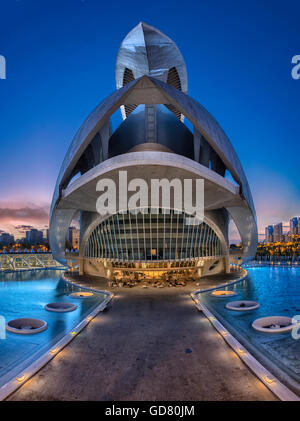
165	134
294	226
6	239
278	233
34	237
73	237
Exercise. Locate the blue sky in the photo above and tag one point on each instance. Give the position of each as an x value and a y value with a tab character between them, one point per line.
60	64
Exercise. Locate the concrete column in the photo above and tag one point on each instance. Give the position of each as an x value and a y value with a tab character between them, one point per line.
217	164
81	267
226	264
204	152
105	133
197	143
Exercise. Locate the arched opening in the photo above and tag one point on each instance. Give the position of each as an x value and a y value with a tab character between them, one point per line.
235	241
147	236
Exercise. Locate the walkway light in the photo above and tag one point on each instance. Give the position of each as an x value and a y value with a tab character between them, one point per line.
268	379
241	352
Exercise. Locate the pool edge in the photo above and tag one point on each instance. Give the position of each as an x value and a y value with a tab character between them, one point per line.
12	385
275	386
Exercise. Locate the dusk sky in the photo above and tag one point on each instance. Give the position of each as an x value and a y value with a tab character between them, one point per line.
60	59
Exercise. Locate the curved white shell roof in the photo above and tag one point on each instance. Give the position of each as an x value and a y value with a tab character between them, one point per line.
150	88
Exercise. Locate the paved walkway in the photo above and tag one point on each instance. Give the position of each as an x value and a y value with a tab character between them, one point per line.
139	350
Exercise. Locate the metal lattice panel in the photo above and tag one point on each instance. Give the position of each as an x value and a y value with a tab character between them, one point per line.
154	237
174	80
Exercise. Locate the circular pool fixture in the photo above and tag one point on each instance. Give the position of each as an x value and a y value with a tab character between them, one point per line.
26	326
60	307
274	324
223	294
81	294
242	305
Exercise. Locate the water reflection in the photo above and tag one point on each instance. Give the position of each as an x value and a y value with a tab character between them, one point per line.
277	290
24	294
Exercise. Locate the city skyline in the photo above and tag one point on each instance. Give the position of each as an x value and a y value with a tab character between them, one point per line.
280	232
268	119
35	237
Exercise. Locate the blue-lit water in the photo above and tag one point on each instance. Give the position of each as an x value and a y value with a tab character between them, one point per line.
24	294
277	289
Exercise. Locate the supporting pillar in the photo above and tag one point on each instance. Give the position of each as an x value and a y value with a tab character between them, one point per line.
81	268
227	264
197	143
105	133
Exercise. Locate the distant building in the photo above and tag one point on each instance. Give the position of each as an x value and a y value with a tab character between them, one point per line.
34	236
294	226
278	232
286	238
269	230
73	237
6	239
46	237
